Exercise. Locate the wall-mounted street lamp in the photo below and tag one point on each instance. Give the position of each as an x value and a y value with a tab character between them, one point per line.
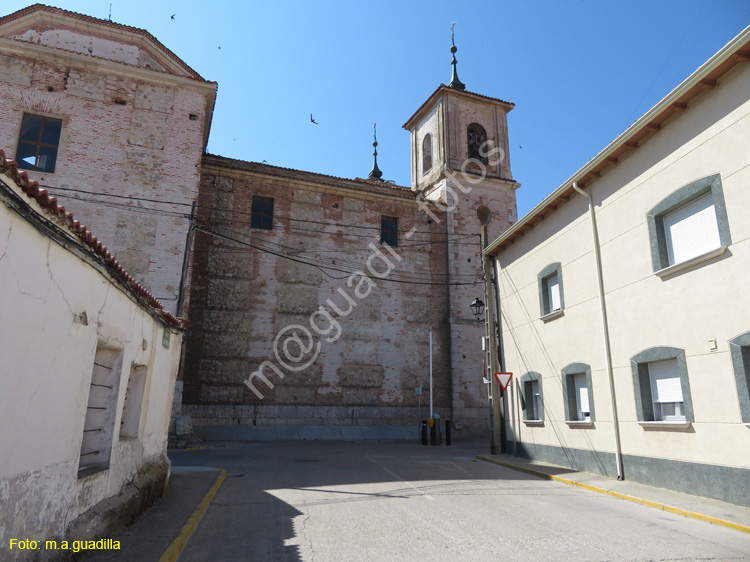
477	307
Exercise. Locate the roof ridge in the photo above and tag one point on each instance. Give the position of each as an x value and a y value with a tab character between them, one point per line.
18	14
318	174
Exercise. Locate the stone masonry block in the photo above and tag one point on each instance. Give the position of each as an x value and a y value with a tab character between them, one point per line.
232	294
361	396
16	71
361	375
154	98
295	395
224	262
220	394
143	166
306	196
223	370
295	299
298	273
216	320
86	84
225	345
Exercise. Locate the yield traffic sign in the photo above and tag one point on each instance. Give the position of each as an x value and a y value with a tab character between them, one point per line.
503	379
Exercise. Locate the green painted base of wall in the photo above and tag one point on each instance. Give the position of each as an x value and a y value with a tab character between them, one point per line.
727	484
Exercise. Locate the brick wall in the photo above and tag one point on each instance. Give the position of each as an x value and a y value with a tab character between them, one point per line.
123	135
242	297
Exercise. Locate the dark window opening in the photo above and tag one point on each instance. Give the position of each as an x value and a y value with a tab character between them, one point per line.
477	137
38	143
389	231
261	215
426	153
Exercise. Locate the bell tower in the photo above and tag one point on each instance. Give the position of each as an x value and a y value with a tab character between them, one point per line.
460	160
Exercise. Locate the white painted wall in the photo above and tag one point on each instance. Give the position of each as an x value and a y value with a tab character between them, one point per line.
708	301
45	373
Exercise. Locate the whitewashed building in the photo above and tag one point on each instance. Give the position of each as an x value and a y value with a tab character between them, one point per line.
89	360
627	324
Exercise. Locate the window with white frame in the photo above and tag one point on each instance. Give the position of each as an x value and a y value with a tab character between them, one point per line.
689	223
692	230
550	289
666	390
661	385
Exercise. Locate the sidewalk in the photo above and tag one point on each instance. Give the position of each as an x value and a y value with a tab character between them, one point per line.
162	531
696	507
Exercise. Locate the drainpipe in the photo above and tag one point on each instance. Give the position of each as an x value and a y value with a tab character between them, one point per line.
605	327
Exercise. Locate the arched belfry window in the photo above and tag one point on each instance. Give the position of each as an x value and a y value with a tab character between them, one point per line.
427	153
477	137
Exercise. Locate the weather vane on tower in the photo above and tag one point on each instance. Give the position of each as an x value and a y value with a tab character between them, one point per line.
455	82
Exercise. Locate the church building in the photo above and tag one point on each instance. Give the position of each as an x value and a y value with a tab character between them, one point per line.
323	301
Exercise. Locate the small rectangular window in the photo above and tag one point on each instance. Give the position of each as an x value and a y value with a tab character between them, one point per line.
389	231
261	215
666	390
38	143
692	230
532	400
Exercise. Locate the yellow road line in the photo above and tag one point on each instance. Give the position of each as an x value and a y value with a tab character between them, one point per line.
173	551
619	495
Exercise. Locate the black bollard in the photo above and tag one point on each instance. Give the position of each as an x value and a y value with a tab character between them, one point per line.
433	433
424	432
447	433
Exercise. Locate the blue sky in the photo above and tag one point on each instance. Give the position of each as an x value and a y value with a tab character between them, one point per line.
579	72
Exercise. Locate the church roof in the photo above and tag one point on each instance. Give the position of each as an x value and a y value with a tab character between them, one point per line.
461	93
43	16
372	186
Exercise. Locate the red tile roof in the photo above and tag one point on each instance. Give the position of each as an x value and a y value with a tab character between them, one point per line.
51	207
465	93
382	187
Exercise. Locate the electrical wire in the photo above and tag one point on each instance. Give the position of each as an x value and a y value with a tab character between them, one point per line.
323	269
235	211
344	262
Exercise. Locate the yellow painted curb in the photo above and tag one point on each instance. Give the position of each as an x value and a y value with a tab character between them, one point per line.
173	551
619	495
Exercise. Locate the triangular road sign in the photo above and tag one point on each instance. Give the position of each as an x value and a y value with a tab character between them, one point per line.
503	379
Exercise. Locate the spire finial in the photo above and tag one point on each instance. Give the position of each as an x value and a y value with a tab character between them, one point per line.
375	173
455	82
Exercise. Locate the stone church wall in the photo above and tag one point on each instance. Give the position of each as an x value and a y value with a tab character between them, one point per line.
244	296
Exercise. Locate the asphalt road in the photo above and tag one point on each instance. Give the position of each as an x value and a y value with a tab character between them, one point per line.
326	502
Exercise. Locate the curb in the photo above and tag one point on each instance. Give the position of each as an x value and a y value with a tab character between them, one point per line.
178	544
656	505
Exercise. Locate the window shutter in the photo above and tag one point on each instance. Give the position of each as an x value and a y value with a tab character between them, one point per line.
553	287
582	393
535	401
665	381
692	230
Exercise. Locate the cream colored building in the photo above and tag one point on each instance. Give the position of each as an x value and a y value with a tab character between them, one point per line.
89	361
648	378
